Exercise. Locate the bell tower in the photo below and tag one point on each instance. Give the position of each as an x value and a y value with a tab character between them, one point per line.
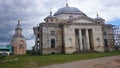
18	41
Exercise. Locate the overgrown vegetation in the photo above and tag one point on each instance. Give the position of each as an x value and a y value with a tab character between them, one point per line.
33	61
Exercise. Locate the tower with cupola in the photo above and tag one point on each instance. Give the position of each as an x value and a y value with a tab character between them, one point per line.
18	41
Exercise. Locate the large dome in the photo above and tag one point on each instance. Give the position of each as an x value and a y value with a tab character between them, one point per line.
69	10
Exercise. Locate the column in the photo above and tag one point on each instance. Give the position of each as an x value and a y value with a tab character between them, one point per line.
80	40
87	39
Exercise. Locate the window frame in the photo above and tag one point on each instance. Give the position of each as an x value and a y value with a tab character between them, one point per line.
53	45
52	33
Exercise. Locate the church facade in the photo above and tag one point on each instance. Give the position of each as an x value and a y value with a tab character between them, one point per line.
18	41
70	30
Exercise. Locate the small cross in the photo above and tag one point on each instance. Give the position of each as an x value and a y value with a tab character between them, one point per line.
66	3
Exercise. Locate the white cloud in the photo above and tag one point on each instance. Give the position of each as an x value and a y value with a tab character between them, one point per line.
30	44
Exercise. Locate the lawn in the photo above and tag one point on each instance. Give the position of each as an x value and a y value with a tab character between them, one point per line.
34	61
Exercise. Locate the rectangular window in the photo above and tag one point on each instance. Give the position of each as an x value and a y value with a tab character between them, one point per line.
105	33
106	42
38	35
45	31
52	43
76	31
52	32
83	31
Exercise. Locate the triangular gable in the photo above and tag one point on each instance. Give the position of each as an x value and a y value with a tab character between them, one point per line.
82	20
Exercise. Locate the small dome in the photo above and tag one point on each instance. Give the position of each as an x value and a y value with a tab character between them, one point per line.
69	10
18	28
99	19
50	17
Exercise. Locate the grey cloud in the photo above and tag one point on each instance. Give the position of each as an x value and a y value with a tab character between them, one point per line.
4	43
5	31
111	3
13	9
10	11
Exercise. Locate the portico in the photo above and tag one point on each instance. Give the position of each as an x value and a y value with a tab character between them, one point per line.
83	39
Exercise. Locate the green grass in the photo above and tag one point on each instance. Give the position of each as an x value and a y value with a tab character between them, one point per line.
31	61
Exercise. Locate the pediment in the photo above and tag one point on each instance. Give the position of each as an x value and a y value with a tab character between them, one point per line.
82	20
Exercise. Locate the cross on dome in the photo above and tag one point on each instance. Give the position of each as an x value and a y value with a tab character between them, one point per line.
66	3
18	22
97	14
50	11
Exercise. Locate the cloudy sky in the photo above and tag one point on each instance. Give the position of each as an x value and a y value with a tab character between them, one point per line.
32	12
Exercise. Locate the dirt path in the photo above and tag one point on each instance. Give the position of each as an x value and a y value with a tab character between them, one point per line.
106	62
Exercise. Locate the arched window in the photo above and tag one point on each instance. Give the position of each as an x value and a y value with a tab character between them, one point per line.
51	19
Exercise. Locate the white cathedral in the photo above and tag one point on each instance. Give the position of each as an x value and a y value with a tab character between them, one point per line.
70	30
